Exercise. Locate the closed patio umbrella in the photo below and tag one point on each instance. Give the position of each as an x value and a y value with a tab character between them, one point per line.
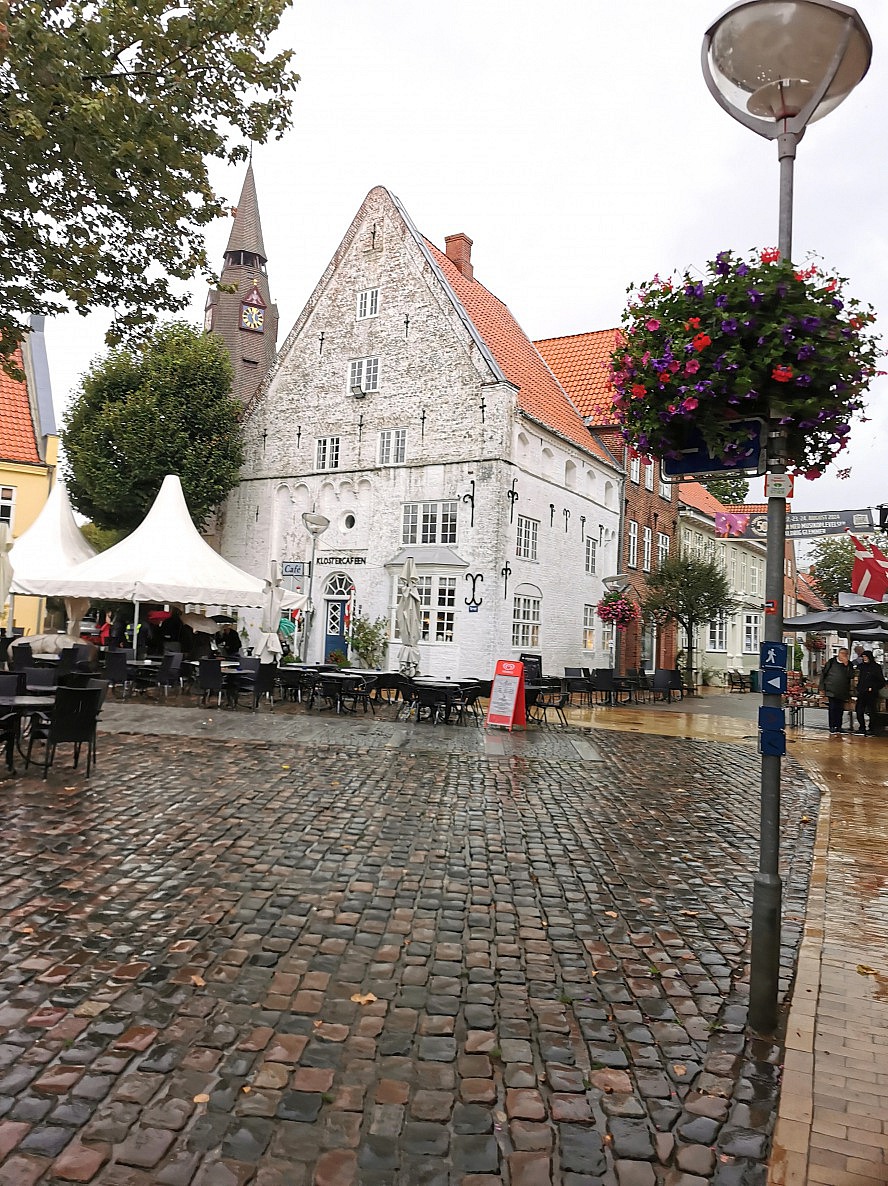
5	563
408	615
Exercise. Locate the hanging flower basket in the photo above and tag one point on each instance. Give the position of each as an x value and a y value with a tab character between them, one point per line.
617	609
757	337
815	642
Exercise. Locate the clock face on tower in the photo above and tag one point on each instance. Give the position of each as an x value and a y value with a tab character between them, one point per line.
252	317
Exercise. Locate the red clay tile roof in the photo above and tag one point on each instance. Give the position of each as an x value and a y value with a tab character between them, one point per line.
540	395
806	593
581	364
694	494
17	438
748	508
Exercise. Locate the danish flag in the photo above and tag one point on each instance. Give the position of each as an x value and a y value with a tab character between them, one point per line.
869	576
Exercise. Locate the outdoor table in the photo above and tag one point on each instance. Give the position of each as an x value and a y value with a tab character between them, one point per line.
452	688
21	706
342	681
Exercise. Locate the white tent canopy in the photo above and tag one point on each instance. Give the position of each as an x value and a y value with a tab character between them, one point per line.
165	559
51	547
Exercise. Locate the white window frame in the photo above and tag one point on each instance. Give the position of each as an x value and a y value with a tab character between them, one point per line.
662	548
363	373
632	558
664	489
437	600
7	506
649	476
718	633
591	554
752	631
393	446
753	578
367	304
647	537
527	538
590	623
327	452
526	618
430	522
635	469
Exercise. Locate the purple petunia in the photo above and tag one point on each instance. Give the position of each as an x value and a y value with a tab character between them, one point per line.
805	352
742	270
721	300
755	297
810	323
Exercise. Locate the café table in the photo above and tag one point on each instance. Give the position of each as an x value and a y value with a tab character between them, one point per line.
339	683
20	706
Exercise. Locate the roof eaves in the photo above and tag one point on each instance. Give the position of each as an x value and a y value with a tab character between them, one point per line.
451	295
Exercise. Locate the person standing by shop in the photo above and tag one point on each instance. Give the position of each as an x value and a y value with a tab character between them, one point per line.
835	684
869	682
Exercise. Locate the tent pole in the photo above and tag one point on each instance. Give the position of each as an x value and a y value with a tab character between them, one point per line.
136	629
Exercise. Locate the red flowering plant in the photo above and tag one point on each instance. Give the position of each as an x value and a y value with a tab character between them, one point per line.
755	337
617	609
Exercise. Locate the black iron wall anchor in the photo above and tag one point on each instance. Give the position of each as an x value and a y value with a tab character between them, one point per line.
298	434
470	499
566	514
505	573
264	438
321	343
474	577
582	528
360	427
512	496
406	324
551	513
483	408
422	420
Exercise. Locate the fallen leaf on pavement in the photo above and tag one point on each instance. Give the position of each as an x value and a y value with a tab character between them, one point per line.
866	970
679	1068
202	1098
362	998
198	981
611	914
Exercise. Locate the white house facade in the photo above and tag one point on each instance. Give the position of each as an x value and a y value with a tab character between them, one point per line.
732	640
408	408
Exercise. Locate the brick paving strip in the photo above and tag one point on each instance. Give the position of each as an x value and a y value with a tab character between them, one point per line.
283	964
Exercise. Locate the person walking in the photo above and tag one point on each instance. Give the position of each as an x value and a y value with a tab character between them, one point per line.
869	682
835	684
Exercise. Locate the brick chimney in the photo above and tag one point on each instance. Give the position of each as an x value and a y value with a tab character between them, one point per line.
458	249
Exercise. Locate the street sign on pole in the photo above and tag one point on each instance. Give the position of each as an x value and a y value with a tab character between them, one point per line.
697	462
773	654
773	681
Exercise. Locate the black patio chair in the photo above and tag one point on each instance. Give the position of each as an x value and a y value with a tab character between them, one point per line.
253	684
169	674
20	656
117	672
389	687
576	684
663	685
40	679
360	693
551	700
72	720
435	702
210	679
466	701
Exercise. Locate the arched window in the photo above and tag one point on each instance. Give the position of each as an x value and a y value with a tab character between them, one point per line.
338	585
570	475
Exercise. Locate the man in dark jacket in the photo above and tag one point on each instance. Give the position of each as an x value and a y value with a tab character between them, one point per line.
835	683
869	681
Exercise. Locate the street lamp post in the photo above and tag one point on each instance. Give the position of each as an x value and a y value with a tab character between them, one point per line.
776	66
315	525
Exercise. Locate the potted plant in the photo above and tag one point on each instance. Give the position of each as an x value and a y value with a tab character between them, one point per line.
754	337
618	610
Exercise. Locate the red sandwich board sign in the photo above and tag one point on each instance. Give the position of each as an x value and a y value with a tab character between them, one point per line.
506	708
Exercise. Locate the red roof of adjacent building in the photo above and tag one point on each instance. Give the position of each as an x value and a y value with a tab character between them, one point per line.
18	441
695	495
806	593
581	363
749	508
540	395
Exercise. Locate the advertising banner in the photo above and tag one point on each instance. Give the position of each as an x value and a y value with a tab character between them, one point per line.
799	525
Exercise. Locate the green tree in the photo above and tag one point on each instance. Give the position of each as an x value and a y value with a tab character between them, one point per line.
164	408
369	640
832	559
730	491
690	591
100	538
109	114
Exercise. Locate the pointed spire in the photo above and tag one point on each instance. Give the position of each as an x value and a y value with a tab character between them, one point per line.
246	234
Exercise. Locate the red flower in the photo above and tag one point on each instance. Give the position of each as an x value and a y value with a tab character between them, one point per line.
813	474
770	255
638	392
781	374
664	376
701	341
692	323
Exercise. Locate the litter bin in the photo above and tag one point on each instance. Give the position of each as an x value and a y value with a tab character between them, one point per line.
754	680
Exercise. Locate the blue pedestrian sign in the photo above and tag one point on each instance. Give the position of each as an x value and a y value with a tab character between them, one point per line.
773	743
771	718
773	681
774	654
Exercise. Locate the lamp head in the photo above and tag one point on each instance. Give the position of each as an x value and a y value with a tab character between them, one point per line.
358	391
772	62
315	524
617	584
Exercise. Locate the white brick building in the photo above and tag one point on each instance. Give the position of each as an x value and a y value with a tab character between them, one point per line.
408	407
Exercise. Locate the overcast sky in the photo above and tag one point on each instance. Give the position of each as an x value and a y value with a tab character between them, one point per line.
575	143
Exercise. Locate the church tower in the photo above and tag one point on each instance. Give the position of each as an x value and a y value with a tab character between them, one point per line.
245	319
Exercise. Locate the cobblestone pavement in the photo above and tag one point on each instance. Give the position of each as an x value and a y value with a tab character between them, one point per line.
285	963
